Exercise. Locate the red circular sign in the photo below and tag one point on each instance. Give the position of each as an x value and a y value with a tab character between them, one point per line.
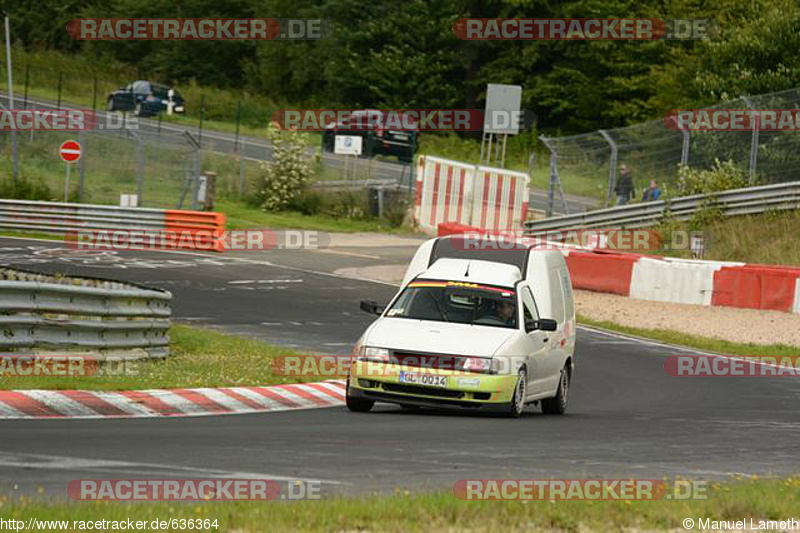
70	151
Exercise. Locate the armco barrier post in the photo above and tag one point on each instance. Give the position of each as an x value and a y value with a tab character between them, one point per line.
612	171
202	116
58	104
555	180
685	147
27	79
140	169
81	165
753	142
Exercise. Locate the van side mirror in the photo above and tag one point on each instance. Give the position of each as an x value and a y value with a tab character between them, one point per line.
374	308
547	324
543	324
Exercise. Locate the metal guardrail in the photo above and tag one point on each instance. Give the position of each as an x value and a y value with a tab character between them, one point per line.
205	227
57	217
745	201
357	184
44	312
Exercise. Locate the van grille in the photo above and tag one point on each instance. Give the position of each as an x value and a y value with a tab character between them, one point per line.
426	360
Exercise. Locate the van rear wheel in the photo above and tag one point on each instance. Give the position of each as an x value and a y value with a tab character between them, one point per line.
557	405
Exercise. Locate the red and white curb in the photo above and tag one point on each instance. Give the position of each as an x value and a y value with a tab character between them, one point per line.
18	404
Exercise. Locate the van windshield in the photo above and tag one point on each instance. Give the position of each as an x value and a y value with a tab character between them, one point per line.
452	301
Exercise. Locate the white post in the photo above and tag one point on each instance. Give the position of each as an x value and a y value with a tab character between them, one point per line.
66	182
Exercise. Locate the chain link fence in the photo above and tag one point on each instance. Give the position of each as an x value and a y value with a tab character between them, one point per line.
157	157
588	164
158	167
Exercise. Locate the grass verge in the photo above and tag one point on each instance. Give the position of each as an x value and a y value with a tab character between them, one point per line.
767	239
738	499
693	341
238	216
200	358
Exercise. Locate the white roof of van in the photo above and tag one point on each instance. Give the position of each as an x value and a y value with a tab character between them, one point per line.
474	271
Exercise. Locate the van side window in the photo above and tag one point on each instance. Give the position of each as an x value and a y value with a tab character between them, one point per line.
566	288
530	312
558	301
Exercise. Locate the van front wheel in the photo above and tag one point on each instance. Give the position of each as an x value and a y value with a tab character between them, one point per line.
517	404
357	405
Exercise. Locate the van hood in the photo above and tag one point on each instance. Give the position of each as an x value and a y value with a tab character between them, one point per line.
436	337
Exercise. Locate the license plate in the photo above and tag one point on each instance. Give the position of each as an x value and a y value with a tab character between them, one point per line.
401	136
431	380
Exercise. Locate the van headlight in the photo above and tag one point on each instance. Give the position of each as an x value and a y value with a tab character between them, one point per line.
376	355
481	365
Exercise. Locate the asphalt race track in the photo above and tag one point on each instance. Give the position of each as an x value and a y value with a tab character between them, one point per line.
627	417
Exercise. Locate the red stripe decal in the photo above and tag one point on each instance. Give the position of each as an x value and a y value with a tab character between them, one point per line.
498	197
300	391
198	399
151	402
512	196
267	393
252	404
326	390
448	195
95	403
461	193
485	199
435	193
29	406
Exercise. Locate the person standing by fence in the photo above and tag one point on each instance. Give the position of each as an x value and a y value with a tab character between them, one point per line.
624	187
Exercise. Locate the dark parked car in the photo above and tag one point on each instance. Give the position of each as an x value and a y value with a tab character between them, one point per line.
377	139
145	99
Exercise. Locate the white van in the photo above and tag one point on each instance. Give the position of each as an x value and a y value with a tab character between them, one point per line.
473	325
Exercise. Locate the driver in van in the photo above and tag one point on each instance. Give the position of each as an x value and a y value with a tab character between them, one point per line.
505	311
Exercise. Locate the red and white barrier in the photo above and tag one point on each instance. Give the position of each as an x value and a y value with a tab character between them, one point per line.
169	402
757	287
675	280
796	306
473	195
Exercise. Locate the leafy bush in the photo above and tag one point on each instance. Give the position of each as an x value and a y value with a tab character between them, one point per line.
289	172
351	204
721	177
25	189
308	202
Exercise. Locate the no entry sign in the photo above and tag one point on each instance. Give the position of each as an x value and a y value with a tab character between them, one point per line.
70	151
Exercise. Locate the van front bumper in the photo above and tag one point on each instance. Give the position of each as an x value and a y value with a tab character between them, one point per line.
381	382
